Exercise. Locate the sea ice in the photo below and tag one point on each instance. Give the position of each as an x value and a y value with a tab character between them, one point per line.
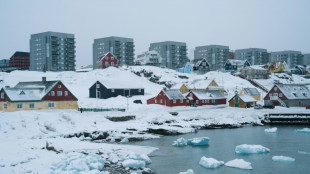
210	162
272	130
124	140
304	130
136	156
133	164
180	142
246	149
189	171
239	163
283	159
200	141
303	152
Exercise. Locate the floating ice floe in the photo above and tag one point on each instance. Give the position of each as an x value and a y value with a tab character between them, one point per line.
200	141
124	141
140	157
283	159
210	162
304	130
239	163
180	142
247	149
189	171
133	164
272	130
79	163
303	152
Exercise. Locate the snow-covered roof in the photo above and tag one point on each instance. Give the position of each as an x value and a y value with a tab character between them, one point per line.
199	62
252	91
247	98
257	67
295	91
178	86
173	94
236	62
121	84
208	94
200	84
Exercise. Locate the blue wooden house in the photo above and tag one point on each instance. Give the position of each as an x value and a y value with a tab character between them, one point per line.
187	69
235	65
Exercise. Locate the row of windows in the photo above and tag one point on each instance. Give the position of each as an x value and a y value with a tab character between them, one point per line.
59	93
181	101
113	90
31	105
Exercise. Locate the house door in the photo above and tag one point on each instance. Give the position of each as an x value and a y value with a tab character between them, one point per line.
98	95
215	102
236	104
127	92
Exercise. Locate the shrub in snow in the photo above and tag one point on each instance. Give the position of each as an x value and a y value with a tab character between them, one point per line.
304	130
124	141
49	127
133	164
239	163
200	141
78	163
247	149
210	162
271	130
180	142
189	171
283	159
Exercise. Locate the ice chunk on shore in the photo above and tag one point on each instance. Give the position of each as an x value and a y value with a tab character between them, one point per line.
239	163
124	140
304	130
133	164
272	130
210	162
181	142
283	159
136	156
247	149
189	171
200	141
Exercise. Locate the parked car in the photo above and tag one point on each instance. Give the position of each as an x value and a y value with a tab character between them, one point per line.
268	106
137	101
258	106
308	107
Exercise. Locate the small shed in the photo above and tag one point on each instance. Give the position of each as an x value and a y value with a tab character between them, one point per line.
242	101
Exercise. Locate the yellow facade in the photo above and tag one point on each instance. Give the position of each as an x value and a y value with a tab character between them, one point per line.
213	83
183	89
12	106
274	69
256	97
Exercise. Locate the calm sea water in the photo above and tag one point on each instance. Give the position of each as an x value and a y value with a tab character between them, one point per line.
172	160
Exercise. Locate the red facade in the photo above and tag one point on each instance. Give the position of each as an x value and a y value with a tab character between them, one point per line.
275	92
108	60
59	93
202	102
162	99
20	60
3	96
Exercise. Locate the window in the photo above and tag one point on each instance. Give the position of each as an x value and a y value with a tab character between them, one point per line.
19	105
276	94
2	94
51	105
161	100
212	101
280	95
139	90
66	93
59	86
112	58
112	63
174	101
270	95
155	101
31	105
197	101
203	101
181	101
59	93
191	95
5	106
106	58
236	99
52	93
275	88
98	85
106	63
112	90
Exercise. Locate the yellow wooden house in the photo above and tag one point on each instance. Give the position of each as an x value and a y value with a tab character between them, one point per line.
252	92
182	88
207	85
277	67
242	101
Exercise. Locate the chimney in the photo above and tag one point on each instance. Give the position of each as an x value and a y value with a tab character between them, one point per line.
44	79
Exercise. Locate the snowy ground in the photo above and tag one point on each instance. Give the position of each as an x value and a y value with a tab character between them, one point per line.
23	135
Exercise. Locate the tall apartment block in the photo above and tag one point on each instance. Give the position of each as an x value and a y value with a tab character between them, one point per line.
20	60
53	51
306	59
255	56
121	47
216	55
173	54
292	58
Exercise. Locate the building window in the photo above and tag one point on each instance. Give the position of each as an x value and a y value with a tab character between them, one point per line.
236	99
161	100
19	105
139	90
112	58
66	93
51	105
106	63
197	101
59	93
112	90
155	101
5	106
59	86
2	95
98	85
52	93
112	63
106	58
203	101
280	95
181	100
275	88
31	105
174	101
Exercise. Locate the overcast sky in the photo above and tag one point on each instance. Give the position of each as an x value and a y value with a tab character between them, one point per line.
272	24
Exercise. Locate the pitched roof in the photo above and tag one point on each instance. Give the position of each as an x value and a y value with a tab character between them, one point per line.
294	91
236	62
251	91
245	98
178	86
102	57
21	54
199	62
121	84
173	94
207	94
200	84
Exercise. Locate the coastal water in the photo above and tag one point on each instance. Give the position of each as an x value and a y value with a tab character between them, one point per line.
172	160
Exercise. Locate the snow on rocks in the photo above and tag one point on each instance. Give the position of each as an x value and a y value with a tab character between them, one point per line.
239	163
181	142
189	171
210	162
272	130
304	130
200	141
283	159
133	164
249	149
124	141
136	156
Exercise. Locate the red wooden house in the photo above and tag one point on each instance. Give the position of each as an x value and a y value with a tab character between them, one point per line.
107	60
205	97
168	98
